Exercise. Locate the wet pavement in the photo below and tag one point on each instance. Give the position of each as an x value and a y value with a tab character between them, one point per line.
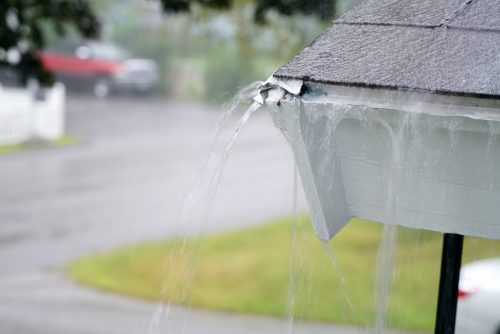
124	183
128	178
50	304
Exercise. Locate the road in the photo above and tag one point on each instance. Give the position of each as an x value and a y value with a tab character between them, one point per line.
47	303
125	182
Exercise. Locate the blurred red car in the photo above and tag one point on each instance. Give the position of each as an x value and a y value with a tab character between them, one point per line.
102	67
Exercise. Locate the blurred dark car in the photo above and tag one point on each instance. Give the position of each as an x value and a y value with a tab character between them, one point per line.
479	298
101	67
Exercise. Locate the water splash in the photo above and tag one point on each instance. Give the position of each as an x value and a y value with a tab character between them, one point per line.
195	210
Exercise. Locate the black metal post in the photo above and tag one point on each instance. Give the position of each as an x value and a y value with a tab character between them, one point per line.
451	259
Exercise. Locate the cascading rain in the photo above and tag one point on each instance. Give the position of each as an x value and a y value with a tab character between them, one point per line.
197	207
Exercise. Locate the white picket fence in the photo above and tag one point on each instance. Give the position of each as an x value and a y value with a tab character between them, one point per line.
22	117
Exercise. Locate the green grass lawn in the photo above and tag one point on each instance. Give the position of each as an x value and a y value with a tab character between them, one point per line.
64	140
249	271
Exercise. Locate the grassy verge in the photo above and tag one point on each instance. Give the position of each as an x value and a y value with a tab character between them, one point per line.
65	140
249	271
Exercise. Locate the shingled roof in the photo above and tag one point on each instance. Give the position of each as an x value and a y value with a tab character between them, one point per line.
444	46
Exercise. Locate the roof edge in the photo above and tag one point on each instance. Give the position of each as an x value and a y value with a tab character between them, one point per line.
307	80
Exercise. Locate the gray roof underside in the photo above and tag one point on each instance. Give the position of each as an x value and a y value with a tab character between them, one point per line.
445	46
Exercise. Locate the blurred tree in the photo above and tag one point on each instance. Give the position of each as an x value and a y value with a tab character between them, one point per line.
22	31
324	9
177	6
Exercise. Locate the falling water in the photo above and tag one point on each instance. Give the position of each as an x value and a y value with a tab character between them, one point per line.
343	285
299	277
384	134
400	166
291	294
387	246
300	273
195	210
207	180
385	266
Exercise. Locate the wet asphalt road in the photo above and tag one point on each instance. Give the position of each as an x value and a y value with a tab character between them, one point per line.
47	303
124	183
127	180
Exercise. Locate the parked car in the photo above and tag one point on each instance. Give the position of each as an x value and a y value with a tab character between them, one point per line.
102	67
479	298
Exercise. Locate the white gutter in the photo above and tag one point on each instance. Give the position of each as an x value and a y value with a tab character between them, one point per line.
409	158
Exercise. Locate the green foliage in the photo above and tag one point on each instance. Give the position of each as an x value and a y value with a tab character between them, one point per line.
21	29
250	271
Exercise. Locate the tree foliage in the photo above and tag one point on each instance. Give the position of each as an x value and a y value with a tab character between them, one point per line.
177	6
324	9
22	31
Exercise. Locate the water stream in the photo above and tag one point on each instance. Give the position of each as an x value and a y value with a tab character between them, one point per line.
385	270
300	270
343	290
213	161
195	211
292	285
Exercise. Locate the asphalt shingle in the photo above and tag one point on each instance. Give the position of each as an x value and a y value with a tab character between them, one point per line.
442	46
426	13
480	15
